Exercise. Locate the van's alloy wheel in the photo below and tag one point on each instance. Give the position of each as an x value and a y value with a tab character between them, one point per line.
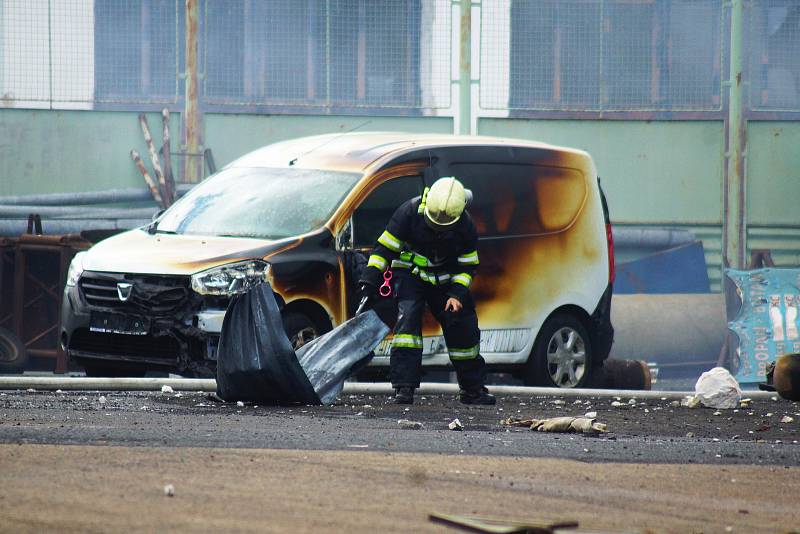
562	354
566	357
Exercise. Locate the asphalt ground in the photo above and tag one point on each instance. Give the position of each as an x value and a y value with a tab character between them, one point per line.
92	461
639	431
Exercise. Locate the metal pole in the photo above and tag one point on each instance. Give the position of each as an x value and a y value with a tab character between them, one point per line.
192	116
465	69
734	229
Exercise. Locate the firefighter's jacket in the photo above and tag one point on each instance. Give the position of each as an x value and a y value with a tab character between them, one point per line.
447	259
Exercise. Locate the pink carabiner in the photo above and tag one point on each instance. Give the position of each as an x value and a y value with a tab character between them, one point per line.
386	289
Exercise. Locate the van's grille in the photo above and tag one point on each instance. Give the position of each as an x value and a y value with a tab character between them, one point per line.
151	295
162	347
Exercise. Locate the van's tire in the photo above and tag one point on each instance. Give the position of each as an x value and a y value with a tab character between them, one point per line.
562	354
13	355
300	329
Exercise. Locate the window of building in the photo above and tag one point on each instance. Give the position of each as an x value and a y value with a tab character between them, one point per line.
136	48
310	53
617	55
774	59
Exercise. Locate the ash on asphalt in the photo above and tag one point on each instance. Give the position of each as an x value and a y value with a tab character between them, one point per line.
646	430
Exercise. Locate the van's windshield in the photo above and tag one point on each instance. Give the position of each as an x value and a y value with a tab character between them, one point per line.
259	202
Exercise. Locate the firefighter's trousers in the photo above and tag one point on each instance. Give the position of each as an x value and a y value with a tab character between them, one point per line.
461	333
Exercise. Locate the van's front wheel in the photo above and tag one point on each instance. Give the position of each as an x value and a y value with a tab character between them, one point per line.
562	354
299	329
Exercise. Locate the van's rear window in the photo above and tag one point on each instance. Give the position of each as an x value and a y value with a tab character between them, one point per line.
516	199
259	202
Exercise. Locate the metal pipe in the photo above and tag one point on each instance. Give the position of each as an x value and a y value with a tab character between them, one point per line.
15	228
465	70
661	238
192	115
14	212
110	196
734	230
67	383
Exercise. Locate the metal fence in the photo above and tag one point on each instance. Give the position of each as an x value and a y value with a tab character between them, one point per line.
307	53
774	45
396	55
328	53
594	55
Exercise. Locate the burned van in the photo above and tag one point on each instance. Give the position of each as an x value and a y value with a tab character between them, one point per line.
304	214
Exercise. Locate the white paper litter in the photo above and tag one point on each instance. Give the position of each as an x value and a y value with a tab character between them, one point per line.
167	389
169	490
455	424
717	388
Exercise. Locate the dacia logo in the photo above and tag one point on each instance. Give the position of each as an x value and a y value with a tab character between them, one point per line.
124	291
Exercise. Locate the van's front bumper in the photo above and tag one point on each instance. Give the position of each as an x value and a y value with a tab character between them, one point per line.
182	333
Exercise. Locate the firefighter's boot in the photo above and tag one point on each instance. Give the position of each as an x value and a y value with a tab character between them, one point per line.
404	395
479	395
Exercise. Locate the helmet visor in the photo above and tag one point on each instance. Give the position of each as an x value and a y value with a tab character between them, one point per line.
439	221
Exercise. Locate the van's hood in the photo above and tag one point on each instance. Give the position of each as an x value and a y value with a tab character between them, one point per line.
137	251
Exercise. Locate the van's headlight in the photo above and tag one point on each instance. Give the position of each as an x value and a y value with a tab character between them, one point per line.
75	269
227	280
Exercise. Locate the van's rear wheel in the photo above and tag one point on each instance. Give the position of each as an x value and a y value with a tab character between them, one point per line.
300	329
562	354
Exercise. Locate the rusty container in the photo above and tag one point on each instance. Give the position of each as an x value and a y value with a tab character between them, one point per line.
32	305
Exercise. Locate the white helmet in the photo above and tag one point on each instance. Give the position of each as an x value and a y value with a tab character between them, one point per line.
444	203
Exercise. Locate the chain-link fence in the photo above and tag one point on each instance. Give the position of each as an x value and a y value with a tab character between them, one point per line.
312	53
774	46
328	53
398	55
594	55
73	53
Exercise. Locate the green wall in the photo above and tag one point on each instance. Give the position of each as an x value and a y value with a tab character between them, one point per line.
230	136
652	172
70	151
655	173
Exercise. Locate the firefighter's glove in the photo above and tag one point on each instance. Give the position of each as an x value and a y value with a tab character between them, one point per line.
453	305
367	296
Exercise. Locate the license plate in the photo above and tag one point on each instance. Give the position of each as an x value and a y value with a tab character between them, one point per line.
115	323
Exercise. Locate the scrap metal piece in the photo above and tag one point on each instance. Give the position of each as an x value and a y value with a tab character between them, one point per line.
406	424
148	139
500	526
147	178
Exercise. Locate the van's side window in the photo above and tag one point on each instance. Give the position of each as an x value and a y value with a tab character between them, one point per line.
512	199
371	217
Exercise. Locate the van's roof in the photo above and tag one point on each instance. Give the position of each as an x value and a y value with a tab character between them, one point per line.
358	151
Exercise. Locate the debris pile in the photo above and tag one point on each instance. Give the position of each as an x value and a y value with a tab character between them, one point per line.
583	425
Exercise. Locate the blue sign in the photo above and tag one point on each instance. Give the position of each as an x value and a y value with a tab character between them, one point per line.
767	322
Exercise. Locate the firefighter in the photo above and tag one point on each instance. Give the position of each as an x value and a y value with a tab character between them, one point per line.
430	246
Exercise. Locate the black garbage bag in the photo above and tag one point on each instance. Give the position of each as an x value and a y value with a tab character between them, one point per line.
330	359
256	363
